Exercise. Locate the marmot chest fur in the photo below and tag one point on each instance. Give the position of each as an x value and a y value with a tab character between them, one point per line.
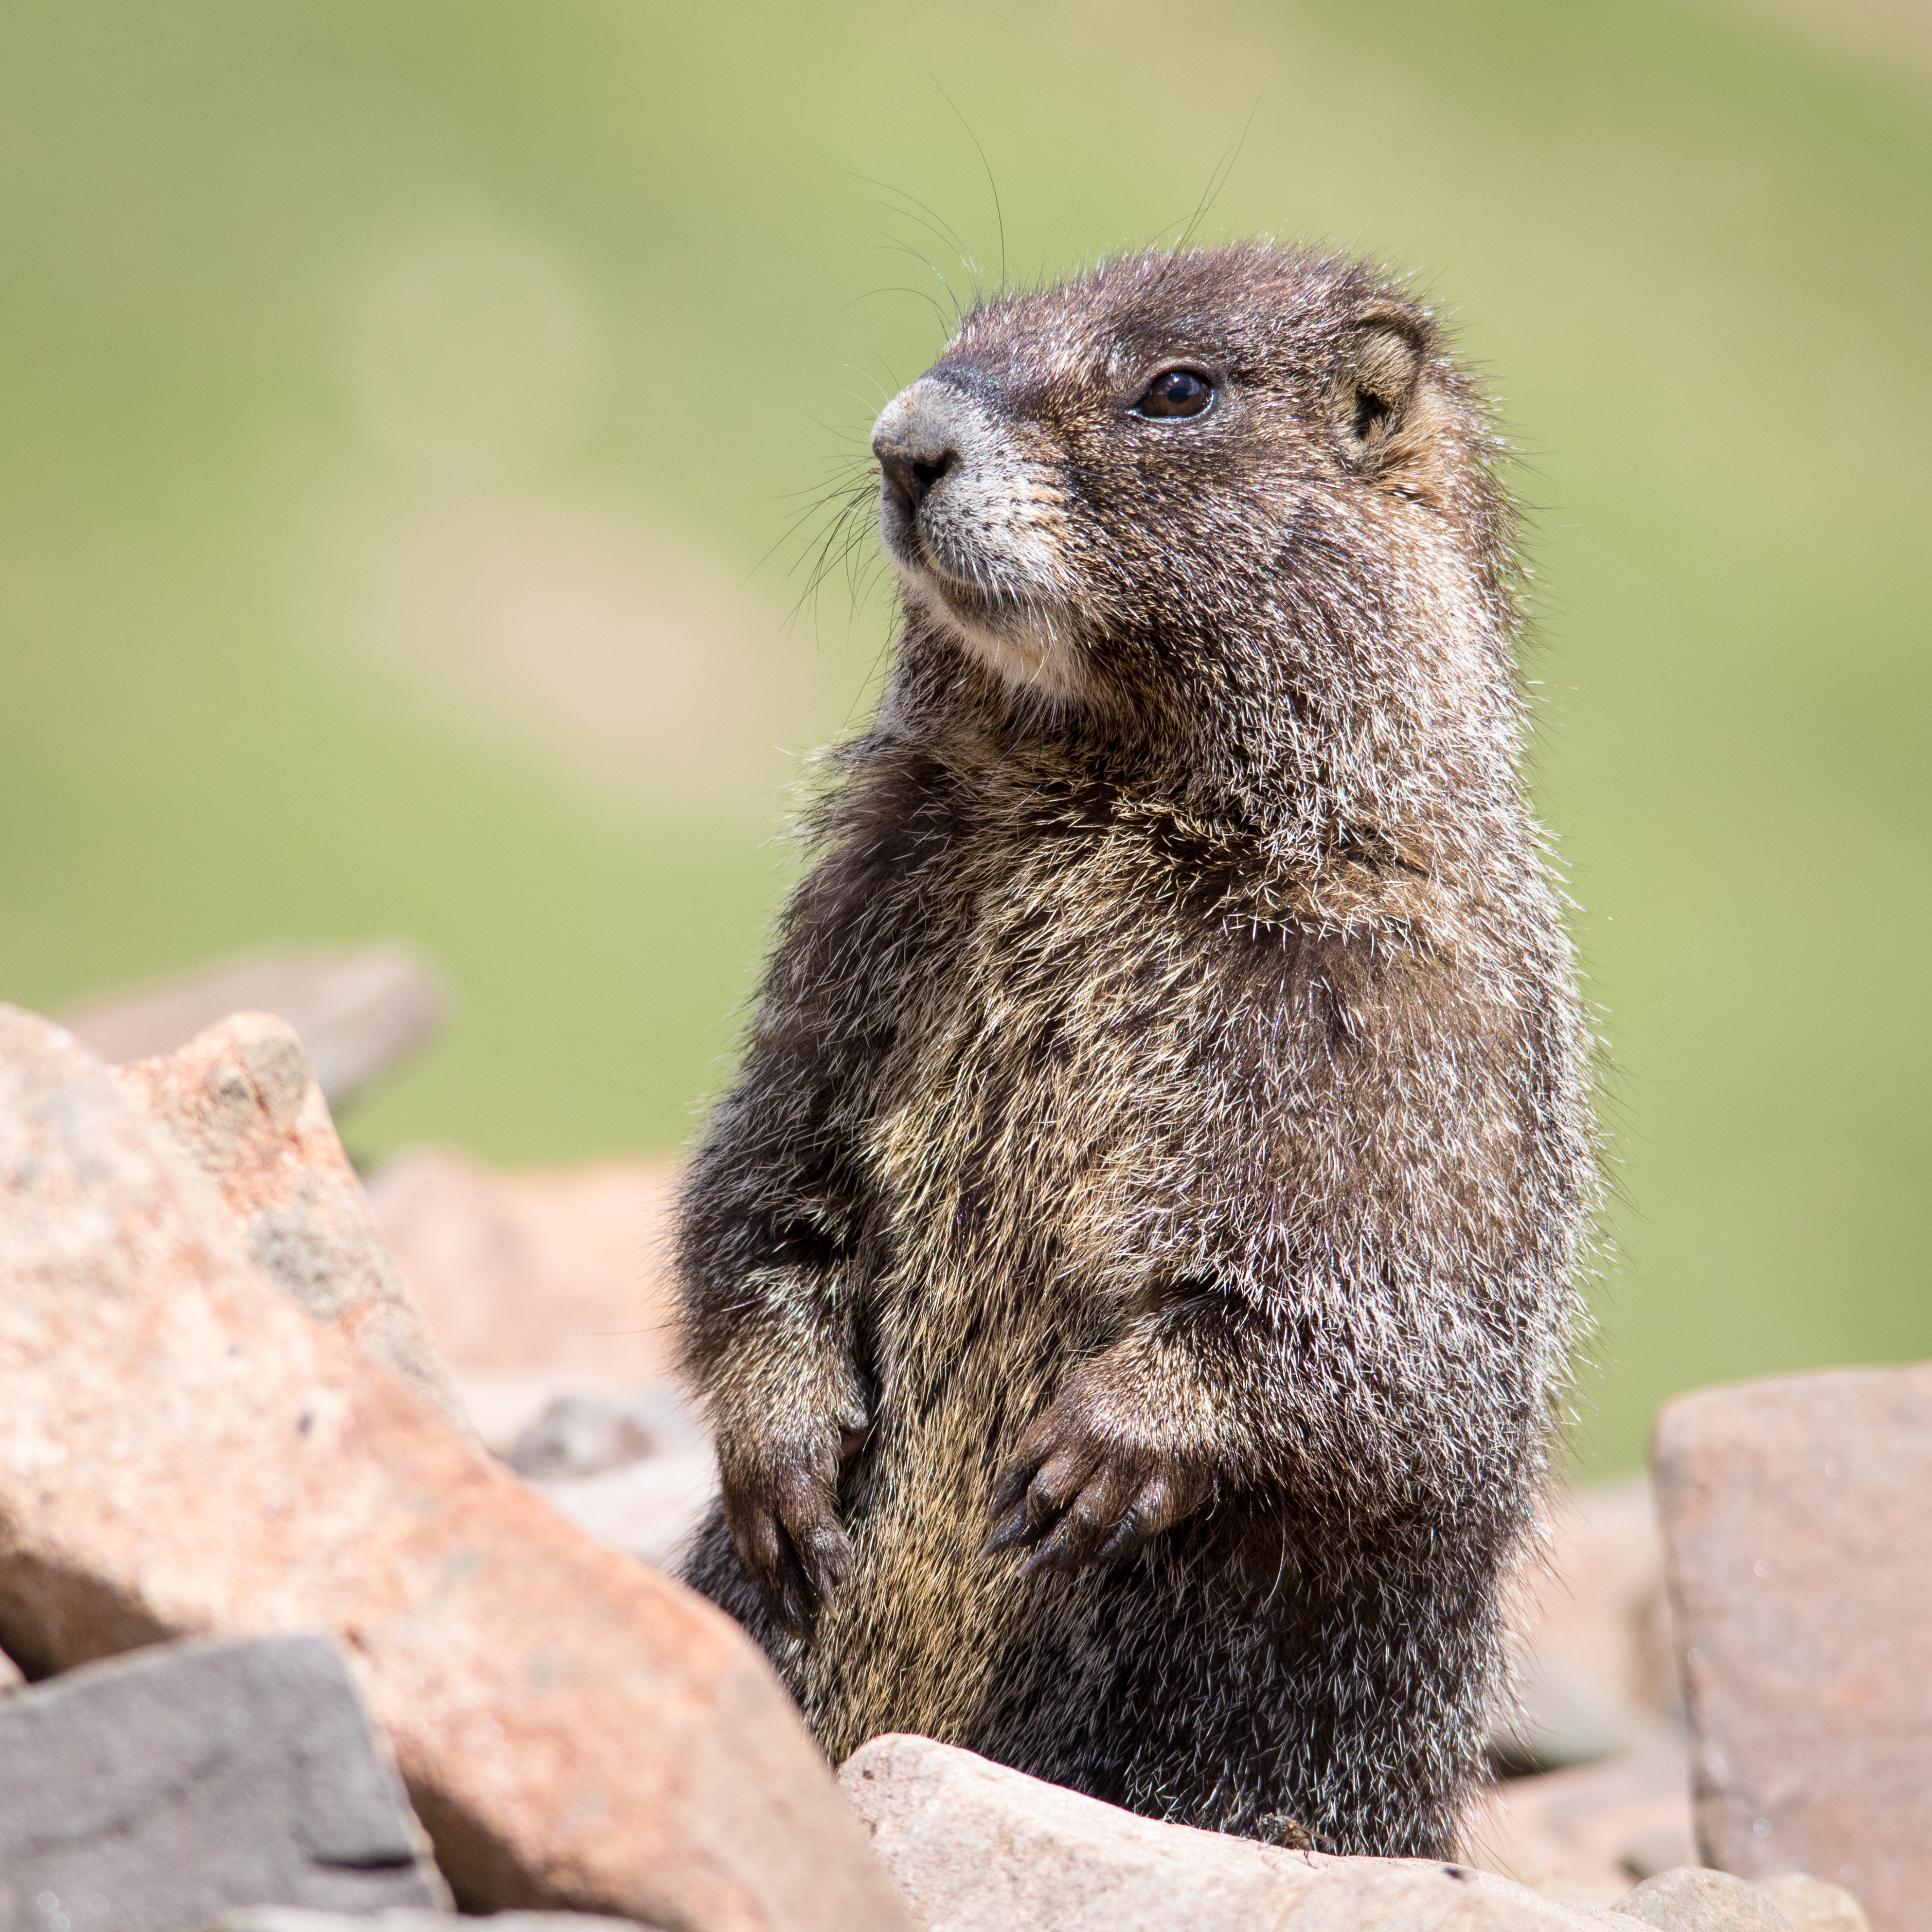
1130	1275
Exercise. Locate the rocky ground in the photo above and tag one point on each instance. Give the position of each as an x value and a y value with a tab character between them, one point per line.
321	1511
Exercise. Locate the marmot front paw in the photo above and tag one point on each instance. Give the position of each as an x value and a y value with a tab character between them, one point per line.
1084	1486
781	1507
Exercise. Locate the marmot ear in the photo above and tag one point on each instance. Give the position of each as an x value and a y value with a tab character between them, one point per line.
1382	364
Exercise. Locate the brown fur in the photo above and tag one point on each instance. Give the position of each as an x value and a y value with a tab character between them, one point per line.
1162	1147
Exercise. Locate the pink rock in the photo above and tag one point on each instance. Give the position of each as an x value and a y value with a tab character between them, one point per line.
1591	1831
560	1272
184	1451
1589	1634
1797	1516
241	1100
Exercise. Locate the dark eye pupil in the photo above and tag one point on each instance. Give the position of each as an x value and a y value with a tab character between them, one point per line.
1178	393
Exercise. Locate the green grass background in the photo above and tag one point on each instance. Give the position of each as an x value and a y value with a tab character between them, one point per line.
1691	243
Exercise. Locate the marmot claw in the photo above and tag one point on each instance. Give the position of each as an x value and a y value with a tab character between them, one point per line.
1080	1490
783	1520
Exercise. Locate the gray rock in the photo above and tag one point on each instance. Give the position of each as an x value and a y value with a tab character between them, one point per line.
291	1918
647	1510
359	1011
582	1434
975	1847
1691	1899
1799	1549
150	1792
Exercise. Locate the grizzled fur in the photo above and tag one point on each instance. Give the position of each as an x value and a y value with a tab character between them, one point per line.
1131	1274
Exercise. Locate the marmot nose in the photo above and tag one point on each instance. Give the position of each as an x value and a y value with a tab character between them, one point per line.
911	471
917	441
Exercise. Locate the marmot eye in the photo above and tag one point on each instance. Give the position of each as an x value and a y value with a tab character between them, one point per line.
1176	392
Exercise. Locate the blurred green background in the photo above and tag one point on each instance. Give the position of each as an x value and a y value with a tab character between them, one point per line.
404	406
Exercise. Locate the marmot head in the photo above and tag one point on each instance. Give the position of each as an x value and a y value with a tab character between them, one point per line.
1201	486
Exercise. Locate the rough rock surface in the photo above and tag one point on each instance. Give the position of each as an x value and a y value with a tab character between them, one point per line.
357	1011
183	1450
1799	1539
975	1847
148	1793
564	1273
1812	1905
240	1100
1689	1900
284	1919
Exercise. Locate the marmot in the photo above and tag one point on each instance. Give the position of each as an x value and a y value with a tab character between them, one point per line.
1132	1275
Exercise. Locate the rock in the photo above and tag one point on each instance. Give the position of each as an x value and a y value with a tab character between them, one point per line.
585	1435
1660	1848
241	1100
1592	1831
148	1793
1813	1906
359	1011
10	1678
285	1918
1692	1899
502	1406
975	1847
183	1450
1558	1717
1800	1557
636	1472
1589	1636
1689	1900
562	1272
648	1510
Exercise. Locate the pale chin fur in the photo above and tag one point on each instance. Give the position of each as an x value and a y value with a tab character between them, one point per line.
1027	656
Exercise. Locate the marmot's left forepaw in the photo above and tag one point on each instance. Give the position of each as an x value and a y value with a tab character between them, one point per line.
1081	1490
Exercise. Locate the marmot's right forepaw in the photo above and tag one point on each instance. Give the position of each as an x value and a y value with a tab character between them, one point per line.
784	1521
